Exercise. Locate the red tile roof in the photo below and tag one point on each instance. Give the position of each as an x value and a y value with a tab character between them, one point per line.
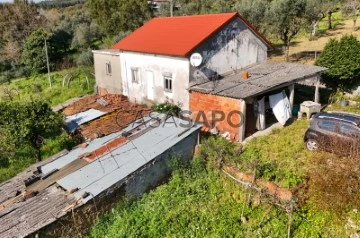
120	113
177	36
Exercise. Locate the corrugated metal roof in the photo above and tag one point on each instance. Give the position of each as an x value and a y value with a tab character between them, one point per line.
74	154
126	159
74	121
263	77
177	36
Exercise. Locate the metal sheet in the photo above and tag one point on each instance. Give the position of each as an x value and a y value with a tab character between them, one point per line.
74	154
263	77
121	162
74	121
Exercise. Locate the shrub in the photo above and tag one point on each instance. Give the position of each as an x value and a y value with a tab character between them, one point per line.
85	58
342	58
168	108
334	183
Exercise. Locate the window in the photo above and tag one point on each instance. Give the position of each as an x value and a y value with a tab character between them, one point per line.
349	130
327	125
108	68
168	84
134	75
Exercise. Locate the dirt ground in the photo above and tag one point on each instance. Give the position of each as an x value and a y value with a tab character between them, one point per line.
305	51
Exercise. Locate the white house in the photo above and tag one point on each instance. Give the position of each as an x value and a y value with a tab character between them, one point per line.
163	58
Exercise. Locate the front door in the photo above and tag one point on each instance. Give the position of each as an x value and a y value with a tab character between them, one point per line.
150	85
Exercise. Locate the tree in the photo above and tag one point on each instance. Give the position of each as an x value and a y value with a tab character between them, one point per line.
342	58
285	19
17	21
253	11
195	7
114	16
82	37
315	11
7	148
29	123
33	55
351	9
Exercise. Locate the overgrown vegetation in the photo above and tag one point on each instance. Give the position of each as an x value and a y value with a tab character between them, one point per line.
168	108
65	84
201	201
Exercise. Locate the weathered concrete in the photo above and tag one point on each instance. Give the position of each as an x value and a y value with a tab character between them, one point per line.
234	47
110	82
151	71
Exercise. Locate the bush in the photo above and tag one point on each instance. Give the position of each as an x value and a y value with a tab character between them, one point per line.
334	183
85	58
342	58
168	108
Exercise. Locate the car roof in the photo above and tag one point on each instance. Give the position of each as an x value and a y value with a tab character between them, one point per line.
340	116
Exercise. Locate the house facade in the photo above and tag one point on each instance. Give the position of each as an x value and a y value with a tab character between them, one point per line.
207	64
155	60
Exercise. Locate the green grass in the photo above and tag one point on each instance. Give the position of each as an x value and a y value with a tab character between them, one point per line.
200	201
24	156
39	87
280	157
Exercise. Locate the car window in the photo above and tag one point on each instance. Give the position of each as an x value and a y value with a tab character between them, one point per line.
349	130
327	125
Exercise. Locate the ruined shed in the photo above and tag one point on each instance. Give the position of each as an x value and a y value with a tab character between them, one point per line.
90	179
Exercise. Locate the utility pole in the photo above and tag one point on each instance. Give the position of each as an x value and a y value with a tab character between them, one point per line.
47	63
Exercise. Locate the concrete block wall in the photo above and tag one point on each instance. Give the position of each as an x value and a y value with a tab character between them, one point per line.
208	103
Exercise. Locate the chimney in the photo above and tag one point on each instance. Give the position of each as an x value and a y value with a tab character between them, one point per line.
245	75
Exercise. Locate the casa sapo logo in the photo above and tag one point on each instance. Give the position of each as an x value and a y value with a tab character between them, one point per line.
155	119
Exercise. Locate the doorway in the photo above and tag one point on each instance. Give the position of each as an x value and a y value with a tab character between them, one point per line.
150	85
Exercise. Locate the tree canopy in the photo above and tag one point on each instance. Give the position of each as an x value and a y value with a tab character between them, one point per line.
119	15
28	123
342	58
285	18
34	54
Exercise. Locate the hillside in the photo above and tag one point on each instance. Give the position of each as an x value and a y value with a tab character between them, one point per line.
305	51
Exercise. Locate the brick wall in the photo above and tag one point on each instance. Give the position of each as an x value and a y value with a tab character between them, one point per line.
102	91
208	104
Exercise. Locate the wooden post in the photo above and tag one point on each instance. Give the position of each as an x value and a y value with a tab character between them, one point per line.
243	118
292	95
317	91
47	63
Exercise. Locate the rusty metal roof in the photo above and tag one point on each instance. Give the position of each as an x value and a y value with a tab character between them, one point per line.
101	164
119	113
263	77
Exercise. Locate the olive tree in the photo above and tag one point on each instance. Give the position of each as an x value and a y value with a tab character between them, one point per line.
285	19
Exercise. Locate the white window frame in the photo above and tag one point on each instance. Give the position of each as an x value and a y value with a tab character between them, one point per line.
134	75
168	82
108	68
